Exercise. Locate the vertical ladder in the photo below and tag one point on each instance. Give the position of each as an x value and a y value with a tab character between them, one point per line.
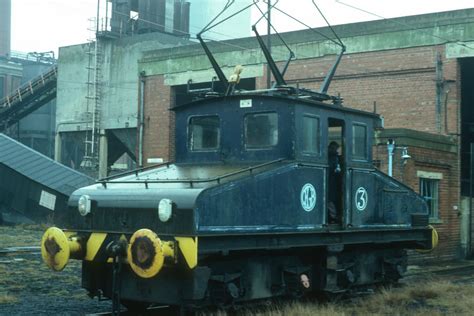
93	97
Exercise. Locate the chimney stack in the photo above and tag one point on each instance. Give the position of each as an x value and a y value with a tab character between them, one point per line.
5	27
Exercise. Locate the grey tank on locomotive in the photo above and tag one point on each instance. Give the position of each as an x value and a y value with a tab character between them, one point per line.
273	193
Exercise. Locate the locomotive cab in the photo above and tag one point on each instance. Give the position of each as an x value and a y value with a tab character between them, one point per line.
252	129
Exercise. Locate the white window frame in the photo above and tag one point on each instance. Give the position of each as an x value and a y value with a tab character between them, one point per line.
432	179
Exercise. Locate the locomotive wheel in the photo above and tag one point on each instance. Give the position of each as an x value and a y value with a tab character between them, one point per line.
135	307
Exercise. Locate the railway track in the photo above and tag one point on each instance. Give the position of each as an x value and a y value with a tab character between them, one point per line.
151	311
17	254
456	274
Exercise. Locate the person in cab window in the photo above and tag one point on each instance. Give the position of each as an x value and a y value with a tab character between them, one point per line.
334	183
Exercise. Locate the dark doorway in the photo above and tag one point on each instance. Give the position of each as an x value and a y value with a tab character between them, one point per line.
467	120
336	164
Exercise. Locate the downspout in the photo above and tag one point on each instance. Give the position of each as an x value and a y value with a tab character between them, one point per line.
141	122
471	179
390	150
439	90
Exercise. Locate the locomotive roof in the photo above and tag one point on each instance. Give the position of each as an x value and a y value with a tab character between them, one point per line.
293	100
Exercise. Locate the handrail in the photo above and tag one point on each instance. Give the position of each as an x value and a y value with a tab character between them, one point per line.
193	181
134	171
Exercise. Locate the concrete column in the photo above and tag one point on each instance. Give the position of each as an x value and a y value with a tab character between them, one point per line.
103	154
57	147
5	27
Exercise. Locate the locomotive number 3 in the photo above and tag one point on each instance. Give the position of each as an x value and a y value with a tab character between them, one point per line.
308	197
361	198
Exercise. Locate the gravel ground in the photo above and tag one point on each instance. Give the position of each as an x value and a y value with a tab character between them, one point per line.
28	287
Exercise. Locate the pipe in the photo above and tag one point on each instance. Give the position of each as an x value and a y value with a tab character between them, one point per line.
390	150
141	119
471	178
269	43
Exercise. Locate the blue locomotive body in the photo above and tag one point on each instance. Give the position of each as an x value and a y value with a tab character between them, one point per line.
245	211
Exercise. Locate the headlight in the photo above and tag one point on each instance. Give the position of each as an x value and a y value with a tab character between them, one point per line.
84	205
165	209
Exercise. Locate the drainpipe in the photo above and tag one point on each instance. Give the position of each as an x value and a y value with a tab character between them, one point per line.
471	178
141	122
390	150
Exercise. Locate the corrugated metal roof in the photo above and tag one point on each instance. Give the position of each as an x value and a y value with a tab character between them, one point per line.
40	168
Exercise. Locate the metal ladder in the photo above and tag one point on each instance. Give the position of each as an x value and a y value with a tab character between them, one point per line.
93	97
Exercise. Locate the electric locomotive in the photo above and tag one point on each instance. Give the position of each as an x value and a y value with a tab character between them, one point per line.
254	206
243	212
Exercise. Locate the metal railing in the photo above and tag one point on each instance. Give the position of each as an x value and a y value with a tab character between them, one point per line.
28	89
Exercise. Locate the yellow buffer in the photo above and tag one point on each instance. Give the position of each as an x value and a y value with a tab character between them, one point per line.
56	248
434	241
146	253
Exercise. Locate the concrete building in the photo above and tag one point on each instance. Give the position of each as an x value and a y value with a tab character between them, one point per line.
125	17
415	71
37	130
5	27
97	97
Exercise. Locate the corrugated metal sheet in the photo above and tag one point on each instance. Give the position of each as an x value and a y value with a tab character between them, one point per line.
40	168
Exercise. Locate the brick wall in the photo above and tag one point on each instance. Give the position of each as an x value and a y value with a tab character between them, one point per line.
436	161
158	138
402	82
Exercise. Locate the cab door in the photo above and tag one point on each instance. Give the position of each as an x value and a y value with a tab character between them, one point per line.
360	179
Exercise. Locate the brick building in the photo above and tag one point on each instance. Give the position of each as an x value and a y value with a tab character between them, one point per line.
415	71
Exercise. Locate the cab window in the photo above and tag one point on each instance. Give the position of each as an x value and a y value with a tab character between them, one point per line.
261	130
359	142
204	133
311	134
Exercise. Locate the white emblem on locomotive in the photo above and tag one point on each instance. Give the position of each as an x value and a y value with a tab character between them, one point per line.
308	197
361	198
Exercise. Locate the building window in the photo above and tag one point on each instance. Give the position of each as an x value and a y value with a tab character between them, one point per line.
311	136
261	130
359	142
204	133
429	190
